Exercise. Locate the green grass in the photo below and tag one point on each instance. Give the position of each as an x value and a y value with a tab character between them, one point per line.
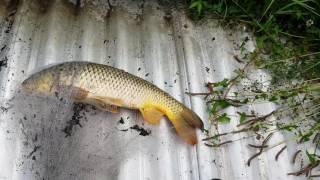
287	35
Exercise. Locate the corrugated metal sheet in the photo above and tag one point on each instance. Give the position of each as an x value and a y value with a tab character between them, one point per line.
148	39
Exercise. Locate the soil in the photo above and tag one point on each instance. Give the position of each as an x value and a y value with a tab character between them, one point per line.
3	63
143	132
78	115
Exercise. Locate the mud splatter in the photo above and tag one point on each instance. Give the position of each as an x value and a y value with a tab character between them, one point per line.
78	115
3	63
141	130
121	121
33	151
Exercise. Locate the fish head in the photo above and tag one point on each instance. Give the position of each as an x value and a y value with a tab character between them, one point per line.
43	82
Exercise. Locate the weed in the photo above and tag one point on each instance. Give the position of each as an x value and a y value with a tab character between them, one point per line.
287	37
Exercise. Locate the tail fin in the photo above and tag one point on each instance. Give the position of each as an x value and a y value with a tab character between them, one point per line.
186	123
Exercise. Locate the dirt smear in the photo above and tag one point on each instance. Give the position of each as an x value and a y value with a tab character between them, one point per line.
78	115
141	130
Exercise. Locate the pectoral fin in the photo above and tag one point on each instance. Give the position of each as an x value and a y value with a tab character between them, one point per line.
110	100
104	106
79	94
111	108
151	114
103	103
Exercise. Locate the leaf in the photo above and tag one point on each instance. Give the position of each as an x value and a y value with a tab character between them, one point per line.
200	5
264	96
194	4
199	8
273	98
313	158
243	116
223	83
305	137
270	4
217	7
224	118
218	105
288	127
245	101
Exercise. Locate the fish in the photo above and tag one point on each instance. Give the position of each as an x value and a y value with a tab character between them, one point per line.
109	89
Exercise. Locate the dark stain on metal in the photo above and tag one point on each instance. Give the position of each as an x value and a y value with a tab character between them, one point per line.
168	18
141	130
33	151
78	115
35	139
3	109
4	63
121	121
207	69
3	48
110	9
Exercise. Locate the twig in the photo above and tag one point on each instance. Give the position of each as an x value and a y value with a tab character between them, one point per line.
197	94
236	57
306	170
241	130
261	118
233	81
278	154
232	102
316	138
209	86
223	134
295	156
295	57
218	145
262	146
215	136
110	9
318	175
258	146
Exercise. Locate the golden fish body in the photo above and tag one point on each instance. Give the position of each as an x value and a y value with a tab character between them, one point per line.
108	88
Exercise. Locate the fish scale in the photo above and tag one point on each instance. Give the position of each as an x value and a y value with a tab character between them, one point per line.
107	87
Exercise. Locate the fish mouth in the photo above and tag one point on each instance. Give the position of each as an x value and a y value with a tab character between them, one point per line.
27	85
24	83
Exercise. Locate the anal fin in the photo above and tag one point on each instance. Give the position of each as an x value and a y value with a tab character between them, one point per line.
151	114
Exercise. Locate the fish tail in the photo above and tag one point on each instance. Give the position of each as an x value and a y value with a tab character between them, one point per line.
185	124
